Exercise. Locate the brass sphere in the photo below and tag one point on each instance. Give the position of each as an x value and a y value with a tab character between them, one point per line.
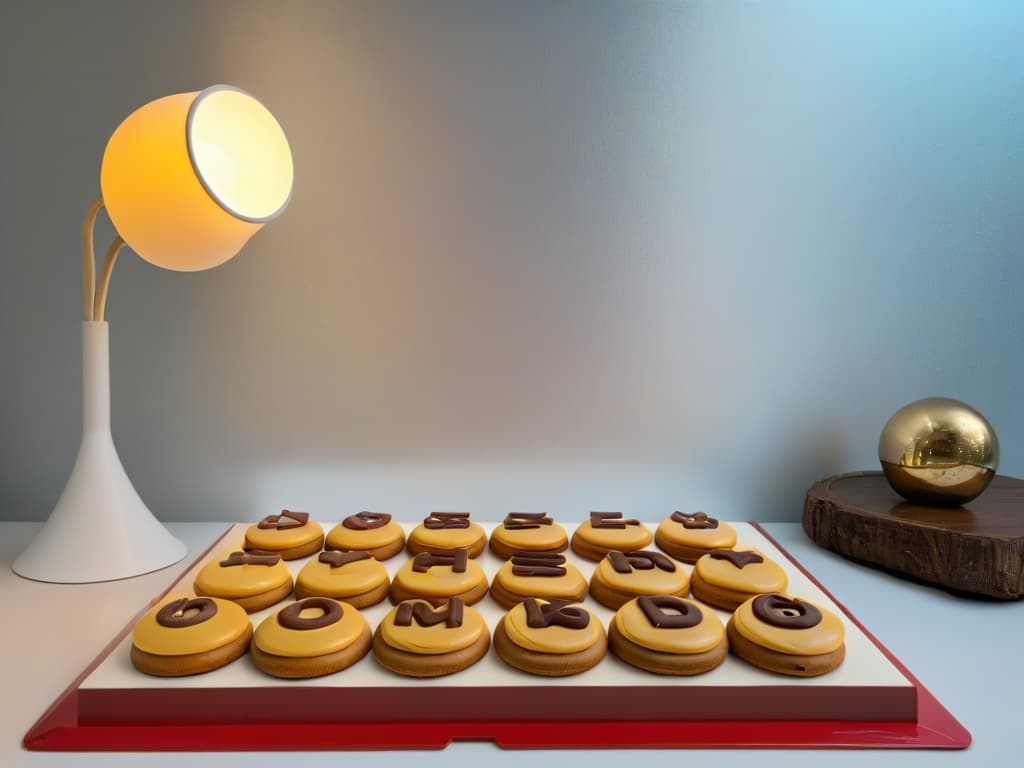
938	451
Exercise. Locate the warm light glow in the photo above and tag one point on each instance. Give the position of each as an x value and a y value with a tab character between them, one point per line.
240	153
188	179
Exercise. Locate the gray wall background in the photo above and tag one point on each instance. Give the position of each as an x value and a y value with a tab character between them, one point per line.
541	255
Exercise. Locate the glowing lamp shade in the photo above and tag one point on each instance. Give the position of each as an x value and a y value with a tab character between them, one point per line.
189	178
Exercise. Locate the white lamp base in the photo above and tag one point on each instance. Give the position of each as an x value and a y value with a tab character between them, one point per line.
100	529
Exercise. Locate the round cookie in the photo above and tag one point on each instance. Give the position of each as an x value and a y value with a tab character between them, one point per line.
552	638
668	635
687	537
189	636
724	578
254	582
309	638
437	578
372	532
527	532
537	574
621	576
606	532
787	635
442	532
353	577
418	640
291	535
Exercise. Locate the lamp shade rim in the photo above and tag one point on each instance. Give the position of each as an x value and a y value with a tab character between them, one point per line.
196	166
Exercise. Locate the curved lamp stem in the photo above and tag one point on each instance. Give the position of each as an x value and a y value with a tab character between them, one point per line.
100	529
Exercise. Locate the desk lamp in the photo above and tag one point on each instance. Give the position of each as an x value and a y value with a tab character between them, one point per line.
186	180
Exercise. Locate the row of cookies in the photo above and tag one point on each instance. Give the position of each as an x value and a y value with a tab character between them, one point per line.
293	535
663	634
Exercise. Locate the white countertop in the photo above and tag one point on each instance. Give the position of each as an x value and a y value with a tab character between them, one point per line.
965	651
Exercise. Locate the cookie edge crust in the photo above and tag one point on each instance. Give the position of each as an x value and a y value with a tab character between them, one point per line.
469	597
182	665
428	665
548	664
508	599
311	666
788	664
254	603
361	600
291	553
615	599
661	662
473	550
718	597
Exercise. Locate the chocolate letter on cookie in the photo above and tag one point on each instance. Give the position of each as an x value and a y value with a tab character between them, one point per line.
537	564
655	606
554	612
446	520
292	618
364	521
427	616
517	521
338	559
739	559
627	562
424	561
786	613
698	520
186	613
610	520
287	519
240	558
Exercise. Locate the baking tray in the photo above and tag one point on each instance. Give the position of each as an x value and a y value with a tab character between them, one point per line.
872	700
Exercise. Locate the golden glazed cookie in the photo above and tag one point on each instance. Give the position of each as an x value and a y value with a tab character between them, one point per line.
725	578
668	635
291	535
254	582
527	532
442	532
687	537
372	532
621	576
787	635
552	638
606	532
437	578
188	636
309	638
537	574
418	640
353	577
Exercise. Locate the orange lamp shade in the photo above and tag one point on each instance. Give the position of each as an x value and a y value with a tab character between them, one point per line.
189	178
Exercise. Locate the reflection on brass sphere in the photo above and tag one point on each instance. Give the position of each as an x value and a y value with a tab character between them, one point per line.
938	451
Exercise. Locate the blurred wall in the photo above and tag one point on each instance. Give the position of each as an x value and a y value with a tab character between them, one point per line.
541	255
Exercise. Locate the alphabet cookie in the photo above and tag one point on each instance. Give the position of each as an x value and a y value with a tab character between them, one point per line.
668	635
418	640
725	578
290	534
621	576
353	577
189	636
437	578
443	531
309	638
527	532
537	574
254	582
605	532
787	635
687	537
372	532
553	638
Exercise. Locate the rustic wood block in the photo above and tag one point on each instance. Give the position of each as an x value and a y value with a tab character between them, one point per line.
977	548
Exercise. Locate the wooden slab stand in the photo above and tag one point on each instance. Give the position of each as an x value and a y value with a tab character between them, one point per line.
976	549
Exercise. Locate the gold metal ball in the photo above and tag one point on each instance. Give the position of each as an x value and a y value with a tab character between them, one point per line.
939	452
